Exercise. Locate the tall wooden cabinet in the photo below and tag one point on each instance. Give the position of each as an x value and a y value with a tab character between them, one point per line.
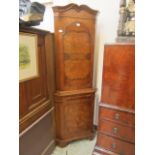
74	97
36	102
116	133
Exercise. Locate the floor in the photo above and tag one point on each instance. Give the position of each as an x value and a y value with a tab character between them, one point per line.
81	147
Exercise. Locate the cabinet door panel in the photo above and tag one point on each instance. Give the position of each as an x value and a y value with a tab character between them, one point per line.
38	88
76	57
76	114
35	95
74	39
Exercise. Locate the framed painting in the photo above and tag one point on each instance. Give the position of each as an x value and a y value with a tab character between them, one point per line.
28	57
126	25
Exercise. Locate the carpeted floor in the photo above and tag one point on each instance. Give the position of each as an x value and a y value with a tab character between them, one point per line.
81	147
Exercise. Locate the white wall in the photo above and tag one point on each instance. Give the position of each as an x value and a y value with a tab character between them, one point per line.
106	28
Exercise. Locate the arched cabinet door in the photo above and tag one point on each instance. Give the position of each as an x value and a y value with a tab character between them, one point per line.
77	56
74	43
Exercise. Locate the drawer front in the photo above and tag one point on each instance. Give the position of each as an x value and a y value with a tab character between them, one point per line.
117	116
115	145
117	130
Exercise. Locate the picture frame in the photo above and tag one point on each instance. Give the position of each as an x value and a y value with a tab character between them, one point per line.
126	25
28	56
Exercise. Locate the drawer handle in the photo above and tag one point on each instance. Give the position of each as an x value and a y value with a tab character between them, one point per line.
115	130
113	145
117	116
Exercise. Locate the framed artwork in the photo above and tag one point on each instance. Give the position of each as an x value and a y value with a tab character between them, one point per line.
28	56
126	25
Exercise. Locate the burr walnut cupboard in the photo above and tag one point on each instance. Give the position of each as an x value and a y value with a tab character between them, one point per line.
116	113
74	97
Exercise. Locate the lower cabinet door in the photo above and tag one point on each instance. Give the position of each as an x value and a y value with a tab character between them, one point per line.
74	117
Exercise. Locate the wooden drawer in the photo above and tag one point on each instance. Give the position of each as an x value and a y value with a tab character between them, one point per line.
117	116
117	130
115	145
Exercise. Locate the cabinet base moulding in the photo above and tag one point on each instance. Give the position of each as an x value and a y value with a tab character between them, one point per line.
63	143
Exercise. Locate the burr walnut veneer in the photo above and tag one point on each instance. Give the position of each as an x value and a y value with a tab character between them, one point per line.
74	97
116	113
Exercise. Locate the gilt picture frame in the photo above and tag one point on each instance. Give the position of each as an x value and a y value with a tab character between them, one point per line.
28	56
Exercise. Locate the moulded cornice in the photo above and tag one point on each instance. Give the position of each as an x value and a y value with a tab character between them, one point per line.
76	7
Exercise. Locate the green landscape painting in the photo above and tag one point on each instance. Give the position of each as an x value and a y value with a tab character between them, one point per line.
24	57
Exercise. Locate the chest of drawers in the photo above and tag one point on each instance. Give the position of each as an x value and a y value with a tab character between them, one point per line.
116	129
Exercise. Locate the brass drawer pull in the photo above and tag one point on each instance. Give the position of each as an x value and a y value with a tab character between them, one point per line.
113	145
117	116
115	130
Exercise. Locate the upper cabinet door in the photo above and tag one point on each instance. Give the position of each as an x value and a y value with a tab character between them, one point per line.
76	59
74	39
